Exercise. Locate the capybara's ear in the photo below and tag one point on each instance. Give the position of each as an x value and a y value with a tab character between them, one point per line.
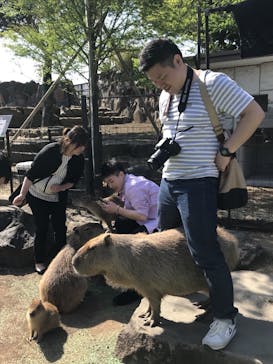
107	239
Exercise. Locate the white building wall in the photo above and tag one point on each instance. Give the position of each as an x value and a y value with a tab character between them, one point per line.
255	75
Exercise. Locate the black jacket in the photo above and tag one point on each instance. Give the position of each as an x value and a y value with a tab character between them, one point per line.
48	160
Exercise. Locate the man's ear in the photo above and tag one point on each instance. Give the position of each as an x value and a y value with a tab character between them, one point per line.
121	173
107	239
177	60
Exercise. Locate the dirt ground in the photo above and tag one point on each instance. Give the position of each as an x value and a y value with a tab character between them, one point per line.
88	335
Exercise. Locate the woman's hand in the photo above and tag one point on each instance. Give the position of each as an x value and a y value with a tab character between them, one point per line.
59	188
18	201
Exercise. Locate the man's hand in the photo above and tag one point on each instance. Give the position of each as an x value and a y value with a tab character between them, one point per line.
221	162
109	206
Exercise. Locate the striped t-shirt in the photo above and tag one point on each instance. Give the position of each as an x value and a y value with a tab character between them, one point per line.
199	144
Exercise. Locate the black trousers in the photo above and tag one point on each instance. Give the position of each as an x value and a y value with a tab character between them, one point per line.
128	226
45	212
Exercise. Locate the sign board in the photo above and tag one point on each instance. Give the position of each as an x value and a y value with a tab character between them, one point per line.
4	124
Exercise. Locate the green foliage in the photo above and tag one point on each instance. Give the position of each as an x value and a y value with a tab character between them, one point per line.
47	36
177	19
51	31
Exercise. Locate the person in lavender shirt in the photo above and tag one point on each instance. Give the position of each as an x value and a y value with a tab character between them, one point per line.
139	211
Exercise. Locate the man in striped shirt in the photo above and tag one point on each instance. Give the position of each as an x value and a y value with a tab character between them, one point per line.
188	190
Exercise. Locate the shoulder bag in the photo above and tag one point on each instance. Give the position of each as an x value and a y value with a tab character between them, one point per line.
232	192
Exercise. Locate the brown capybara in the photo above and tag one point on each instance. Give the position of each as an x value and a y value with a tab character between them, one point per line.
60	285
154	265
41	318
95	209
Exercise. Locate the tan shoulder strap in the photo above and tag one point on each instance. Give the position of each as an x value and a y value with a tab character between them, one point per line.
217	127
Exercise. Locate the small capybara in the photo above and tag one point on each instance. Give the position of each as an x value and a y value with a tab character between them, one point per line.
154	265
60	285
41	318
95	209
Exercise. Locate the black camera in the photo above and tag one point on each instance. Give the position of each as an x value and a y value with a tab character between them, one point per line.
164	149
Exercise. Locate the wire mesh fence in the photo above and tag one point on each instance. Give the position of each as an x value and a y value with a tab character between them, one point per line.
141	137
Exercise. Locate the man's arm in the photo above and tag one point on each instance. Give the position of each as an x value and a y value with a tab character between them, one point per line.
250	119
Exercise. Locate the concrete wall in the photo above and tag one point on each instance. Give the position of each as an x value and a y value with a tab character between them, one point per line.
255	75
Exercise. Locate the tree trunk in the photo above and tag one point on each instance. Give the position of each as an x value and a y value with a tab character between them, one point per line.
48	107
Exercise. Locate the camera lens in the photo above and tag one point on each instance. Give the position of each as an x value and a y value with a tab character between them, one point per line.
158	159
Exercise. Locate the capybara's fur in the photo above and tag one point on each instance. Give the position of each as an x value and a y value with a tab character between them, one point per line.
154	265
60	285
41	318
95	209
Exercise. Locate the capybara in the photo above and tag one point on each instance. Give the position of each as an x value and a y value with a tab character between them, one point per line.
95	209
154	265
60	285
41	318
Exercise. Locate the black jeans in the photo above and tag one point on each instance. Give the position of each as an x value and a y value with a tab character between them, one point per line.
43	213
128	226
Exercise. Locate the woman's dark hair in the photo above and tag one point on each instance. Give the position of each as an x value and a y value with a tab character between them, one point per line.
110	168
77	136
159	51
5	167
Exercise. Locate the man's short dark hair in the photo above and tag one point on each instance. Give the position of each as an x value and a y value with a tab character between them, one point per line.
110	168
159	51
5	167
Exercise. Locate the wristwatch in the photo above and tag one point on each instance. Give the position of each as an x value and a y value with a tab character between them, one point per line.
225	152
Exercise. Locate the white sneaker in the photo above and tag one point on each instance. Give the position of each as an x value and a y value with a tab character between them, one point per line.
220	334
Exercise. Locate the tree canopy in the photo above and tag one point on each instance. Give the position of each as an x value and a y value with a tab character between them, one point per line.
51	31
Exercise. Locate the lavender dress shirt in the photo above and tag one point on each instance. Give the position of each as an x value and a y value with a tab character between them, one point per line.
140	194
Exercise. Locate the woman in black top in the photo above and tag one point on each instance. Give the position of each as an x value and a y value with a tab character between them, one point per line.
55	169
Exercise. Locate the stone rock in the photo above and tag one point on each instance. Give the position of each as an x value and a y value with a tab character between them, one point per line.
16	237
139	116
19	94
28	94
17	233
178	338
20	114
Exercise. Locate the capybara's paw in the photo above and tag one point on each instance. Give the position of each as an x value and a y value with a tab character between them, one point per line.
148	322
151	322
145	314
33	337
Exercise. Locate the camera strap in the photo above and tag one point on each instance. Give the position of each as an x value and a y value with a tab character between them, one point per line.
185	91
184	96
